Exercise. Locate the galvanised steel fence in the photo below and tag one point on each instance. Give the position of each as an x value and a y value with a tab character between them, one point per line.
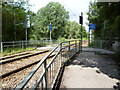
22	45
108	43
45	73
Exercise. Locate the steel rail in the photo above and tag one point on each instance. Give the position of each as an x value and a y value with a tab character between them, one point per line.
19	58
24	82
43	76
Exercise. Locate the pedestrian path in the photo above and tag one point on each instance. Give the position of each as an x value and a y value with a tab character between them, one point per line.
88	70
100	51
48	47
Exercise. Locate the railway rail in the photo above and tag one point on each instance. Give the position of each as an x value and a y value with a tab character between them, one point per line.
50	70
12	66
15	70
14	79
14	76
11	56
20	56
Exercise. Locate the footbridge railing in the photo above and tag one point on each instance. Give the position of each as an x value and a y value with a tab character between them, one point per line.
45	73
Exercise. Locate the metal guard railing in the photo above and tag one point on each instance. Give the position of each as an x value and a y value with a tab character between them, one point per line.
48	68
17	46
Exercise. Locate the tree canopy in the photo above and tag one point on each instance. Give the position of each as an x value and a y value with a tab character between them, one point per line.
13	19
106	16
55	14
73	30
14	16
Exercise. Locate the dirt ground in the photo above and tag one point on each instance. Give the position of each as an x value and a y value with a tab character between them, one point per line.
88	70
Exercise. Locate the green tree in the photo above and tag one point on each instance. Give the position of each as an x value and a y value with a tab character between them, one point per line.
73	30
53	13
106	16
13	18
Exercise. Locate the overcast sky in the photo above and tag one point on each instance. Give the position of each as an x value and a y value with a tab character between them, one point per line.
75	7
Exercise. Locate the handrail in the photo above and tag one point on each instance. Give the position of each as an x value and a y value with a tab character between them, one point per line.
43	76
53	59
14	45
24	82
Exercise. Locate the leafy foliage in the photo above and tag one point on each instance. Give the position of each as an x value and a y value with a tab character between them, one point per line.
13	19
55	14
106	16
73	30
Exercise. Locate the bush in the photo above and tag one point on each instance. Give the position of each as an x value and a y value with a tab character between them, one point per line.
95	44
40	44
62	39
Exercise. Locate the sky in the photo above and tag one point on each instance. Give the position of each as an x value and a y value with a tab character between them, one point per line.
75	7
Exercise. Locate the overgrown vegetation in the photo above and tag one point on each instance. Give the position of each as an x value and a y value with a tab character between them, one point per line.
14	17
10	51
106	16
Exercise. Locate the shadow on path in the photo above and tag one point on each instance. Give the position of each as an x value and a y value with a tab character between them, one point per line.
105	64
79	71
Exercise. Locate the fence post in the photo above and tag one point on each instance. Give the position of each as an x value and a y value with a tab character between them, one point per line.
69	50
25	45
45	76
36	44
1	47
22	45
76	45
61	54
13	46
79	45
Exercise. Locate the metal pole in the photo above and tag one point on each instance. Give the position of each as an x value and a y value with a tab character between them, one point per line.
50	36
45	76
26	37
61	54
22	45
69	50
13	46
50	32
89	31
1	28
79	45
27	26
1	47
26	34
89	37
15	24
81	31
76	45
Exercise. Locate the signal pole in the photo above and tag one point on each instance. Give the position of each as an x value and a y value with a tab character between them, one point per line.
81	22
50	36
1	50
50	28
89	31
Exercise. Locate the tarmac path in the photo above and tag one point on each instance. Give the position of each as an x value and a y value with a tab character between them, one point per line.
88	70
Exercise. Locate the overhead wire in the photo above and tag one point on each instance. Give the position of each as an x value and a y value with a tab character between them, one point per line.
70	10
